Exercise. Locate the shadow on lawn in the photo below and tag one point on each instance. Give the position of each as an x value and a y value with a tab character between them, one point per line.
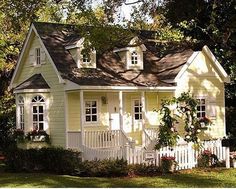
183	179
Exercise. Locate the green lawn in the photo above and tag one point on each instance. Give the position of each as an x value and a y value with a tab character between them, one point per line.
191	178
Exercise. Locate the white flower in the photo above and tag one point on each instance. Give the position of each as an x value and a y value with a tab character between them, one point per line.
192	126
198	130
188	137
198	140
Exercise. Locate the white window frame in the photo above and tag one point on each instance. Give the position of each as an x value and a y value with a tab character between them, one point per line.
86	58
140	113
134	58
40	102
202	111
91	114
37	56
20	113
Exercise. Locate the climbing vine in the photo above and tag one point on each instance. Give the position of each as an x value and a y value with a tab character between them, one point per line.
185	108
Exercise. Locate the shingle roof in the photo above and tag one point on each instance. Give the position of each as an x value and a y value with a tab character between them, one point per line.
110	71
34	82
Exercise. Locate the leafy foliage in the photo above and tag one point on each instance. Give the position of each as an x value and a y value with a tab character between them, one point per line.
186	107
53	160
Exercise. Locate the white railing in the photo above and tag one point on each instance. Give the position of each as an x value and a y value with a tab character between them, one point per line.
105	139
152	132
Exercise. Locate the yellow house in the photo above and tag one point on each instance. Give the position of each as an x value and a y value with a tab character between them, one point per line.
102	101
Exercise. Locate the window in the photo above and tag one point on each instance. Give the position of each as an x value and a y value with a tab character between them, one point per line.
134	58
201	108
37	56
21	122
91	114
86	58
137	110
38	111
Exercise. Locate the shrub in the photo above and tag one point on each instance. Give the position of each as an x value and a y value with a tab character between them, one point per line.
53	160
144	170
207	159
104	168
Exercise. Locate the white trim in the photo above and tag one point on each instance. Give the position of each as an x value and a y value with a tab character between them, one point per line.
143	102
92	123
70	86
220	69
121	110
81	95
185	67
31	91
66	117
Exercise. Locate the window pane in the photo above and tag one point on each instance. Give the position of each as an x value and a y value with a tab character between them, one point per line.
203	114
198	115
35	109
198	108
35	126
136	109
40	117
40	109
94	111
94	118
87	104
35	118
94	104
88	118
136	103
203	108
202	101
87	111
136	116
140	116
41	126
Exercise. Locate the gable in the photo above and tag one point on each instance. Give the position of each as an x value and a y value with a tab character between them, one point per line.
204	64
25	67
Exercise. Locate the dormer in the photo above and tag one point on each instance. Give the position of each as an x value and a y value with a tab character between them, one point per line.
132	55
83	58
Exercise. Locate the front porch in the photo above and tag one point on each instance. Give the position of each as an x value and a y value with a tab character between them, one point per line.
114	118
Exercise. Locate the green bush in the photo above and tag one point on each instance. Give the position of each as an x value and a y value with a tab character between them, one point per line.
53	160
144	170
104	168
207	159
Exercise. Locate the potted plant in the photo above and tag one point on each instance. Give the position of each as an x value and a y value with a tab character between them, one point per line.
168	164
38	136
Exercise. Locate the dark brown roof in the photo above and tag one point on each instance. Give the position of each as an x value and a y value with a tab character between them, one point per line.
34	82
110	71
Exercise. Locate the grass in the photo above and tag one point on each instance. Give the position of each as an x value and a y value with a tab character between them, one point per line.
191	178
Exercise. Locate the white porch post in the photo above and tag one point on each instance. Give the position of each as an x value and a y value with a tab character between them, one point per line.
121	109
82	117
143	108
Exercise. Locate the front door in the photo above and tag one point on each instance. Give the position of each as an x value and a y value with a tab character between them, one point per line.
113	108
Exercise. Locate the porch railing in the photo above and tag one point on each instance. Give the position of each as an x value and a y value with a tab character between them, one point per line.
149	138
105	139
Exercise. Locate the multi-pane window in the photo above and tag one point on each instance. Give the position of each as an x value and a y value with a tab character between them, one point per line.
37	56
91	114
86	58
38	111
21	112
134	58
201	107
137	110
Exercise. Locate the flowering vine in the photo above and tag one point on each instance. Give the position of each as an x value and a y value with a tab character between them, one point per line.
186	109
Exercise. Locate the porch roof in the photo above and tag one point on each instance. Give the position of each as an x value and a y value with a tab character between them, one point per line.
159	71
34	82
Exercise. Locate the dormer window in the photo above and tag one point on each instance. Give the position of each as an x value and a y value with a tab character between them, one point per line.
134	58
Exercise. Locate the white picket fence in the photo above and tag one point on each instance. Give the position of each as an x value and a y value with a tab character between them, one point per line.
184	154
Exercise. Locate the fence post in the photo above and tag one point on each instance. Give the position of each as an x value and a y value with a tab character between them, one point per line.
227	158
